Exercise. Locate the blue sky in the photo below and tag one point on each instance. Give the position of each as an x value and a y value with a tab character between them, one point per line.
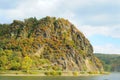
99	20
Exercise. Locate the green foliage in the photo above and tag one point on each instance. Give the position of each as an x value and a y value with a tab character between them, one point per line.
75	73
53	73
111	62
90	72
93	72
47	73
9	60
44	61
82	72
15	65
3	62
26	63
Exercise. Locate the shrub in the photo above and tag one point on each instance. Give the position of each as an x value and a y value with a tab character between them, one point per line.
82	72
53	73
90	72
75	73
47	73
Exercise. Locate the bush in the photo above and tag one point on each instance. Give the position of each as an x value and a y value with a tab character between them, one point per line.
94	72
75	73
47	73
90	72
53	73
82	72
59	73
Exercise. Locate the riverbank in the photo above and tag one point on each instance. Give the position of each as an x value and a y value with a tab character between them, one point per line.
50	73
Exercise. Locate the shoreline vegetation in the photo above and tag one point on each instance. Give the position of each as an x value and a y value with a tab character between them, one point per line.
50	73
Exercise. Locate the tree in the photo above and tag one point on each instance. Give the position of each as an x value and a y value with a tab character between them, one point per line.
15	65
26	63
3	62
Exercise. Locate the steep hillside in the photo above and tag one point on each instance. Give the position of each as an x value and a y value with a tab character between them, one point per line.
45	44
111	62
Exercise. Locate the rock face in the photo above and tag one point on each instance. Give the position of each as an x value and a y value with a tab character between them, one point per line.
55	40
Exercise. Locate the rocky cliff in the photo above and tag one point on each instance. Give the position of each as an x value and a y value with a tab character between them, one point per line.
52	43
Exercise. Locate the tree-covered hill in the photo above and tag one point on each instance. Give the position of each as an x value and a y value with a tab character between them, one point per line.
111	62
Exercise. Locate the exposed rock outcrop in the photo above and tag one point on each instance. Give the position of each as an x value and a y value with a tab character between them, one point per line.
56	40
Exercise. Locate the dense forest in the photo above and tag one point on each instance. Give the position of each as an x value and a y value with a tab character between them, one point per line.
46	44
111	62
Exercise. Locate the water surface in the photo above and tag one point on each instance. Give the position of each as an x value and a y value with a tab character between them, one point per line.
112	76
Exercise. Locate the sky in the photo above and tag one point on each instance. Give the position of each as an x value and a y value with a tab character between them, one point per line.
98	20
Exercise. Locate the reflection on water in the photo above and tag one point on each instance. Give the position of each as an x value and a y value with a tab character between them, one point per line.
112	76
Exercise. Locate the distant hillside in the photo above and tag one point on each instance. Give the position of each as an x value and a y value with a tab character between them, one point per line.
45	44
111	62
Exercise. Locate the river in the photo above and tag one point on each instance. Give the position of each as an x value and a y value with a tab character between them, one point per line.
112	76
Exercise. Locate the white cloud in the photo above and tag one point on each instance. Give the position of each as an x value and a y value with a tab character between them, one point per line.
100	17
59	8
111	31
108	48
31	8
